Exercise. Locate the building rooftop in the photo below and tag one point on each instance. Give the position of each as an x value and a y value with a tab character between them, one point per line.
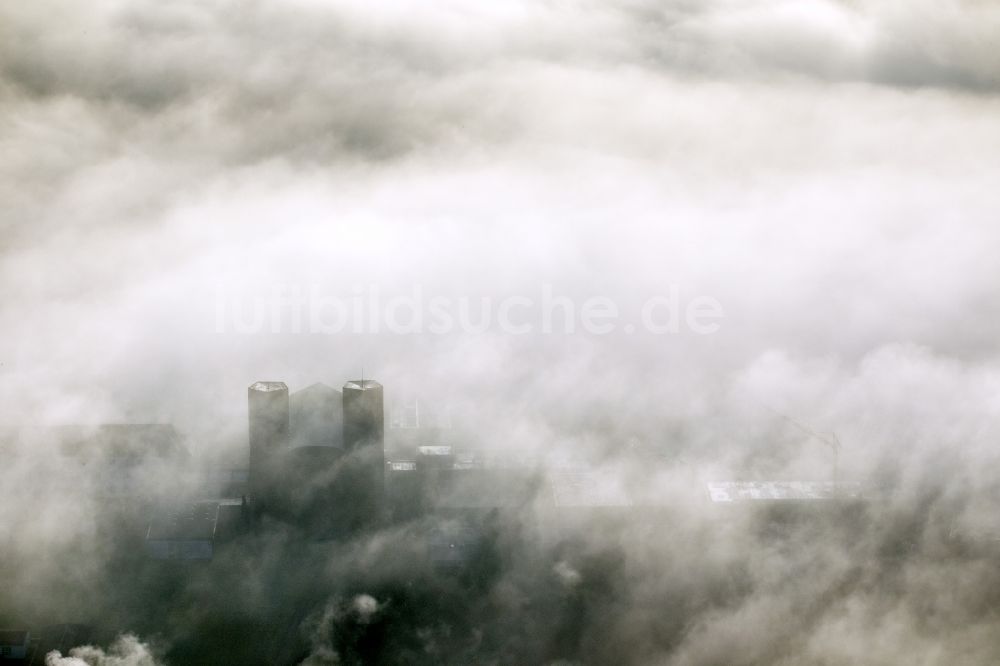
14	637
189	522
434	450
362	385
781	491
265	387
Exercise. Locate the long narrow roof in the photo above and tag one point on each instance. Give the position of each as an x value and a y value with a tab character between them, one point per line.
266	387
361	385
778	491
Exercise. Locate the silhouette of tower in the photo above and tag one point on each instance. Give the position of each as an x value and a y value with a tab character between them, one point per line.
364	444
267	406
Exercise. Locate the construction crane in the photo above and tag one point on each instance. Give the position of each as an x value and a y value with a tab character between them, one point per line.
830	439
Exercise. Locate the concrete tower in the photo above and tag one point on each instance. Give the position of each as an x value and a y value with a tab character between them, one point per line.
268	411
364	444
364	415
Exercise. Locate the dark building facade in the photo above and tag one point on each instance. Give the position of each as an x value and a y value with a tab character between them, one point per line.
317	417
363	472
364	415
269	435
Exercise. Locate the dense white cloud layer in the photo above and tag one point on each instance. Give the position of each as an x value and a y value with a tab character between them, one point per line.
826	171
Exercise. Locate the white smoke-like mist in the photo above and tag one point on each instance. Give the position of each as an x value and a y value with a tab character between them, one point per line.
823	170
127	650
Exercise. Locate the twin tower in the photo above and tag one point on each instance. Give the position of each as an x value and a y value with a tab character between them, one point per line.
356	477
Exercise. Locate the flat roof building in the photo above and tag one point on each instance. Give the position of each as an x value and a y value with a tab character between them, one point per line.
723	492
14	644
186	532
267	410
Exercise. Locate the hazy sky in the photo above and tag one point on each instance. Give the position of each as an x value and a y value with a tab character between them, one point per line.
826	171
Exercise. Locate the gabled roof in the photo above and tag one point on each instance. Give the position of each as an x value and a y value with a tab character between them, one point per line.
316	416
317	389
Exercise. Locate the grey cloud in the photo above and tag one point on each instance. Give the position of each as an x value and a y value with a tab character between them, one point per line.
127	650
825	170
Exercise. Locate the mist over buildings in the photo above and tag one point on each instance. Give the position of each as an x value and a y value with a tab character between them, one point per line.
177	179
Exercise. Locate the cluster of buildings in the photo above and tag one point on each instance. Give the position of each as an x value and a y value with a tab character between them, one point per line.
325	464
333	463
26	647
319	460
